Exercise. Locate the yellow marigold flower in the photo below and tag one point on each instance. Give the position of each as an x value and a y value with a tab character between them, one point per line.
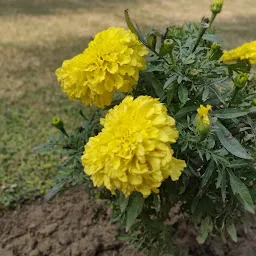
111	63
246	51
203	113
132	152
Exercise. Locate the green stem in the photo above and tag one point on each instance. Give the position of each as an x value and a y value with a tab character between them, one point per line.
234	94
212	19
158	55
202	31
64	132
172	59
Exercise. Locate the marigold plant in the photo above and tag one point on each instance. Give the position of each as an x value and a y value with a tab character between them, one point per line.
178	138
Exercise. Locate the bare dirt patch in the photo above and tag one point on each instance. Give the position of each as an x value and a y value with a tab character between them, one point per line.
70	225
75	225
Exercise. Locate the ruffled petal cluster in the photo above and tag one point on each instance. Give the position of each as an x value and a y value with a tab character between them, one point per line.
246	51
111	63
133	152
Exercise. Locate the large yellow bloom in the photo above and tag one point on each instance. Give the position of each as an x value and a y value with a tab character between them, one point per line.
133	153
246	51
111	63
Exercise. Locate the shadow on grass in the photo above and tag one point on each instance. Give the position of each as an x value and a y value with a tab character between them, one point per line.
44	7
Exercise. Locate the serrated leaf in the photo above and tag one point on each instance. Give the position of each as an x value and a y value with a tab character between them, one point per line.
230	143
208	173
230	113
239	188
231	229
135	207
183	94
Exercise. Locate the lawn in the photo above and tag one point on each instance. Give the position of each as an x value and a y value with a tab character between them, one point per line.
36	36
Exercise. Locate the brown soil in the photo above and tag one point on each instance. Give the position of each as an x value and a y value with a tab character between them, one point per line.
71	225
75	225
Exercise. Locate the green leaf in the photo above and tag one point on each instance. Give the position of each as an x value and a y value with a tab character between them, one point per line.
152	68
219	179
184	111
134	209
212	38
158	87
134	30
239	188
230	113
183	94
123	202
205	228
231	229
205	94
169	81
253	193
224	185
170	94
208	173
179	80
230	143
129	22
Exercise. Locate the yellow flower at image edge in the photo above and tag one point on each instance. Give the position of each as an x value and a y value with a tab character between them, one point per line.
133	153
246	51
111	63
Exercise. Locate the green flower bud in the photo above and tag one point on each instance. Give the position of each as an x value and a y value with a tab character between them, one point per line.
202	127
151	40
216	6
168	45
241	80
254	102
57	122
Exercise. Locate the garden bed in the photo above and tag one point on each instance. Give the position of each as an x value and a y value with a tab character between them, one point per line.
73	224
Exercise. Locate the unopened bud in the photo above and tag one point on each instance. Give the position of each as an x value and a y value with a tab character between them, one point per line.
203	123
168	45
202	127
241	80
216	6
254	102
151	40
57	122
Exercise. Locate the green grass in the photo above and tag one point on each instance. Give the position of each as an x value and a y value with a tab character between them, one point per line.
38	36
